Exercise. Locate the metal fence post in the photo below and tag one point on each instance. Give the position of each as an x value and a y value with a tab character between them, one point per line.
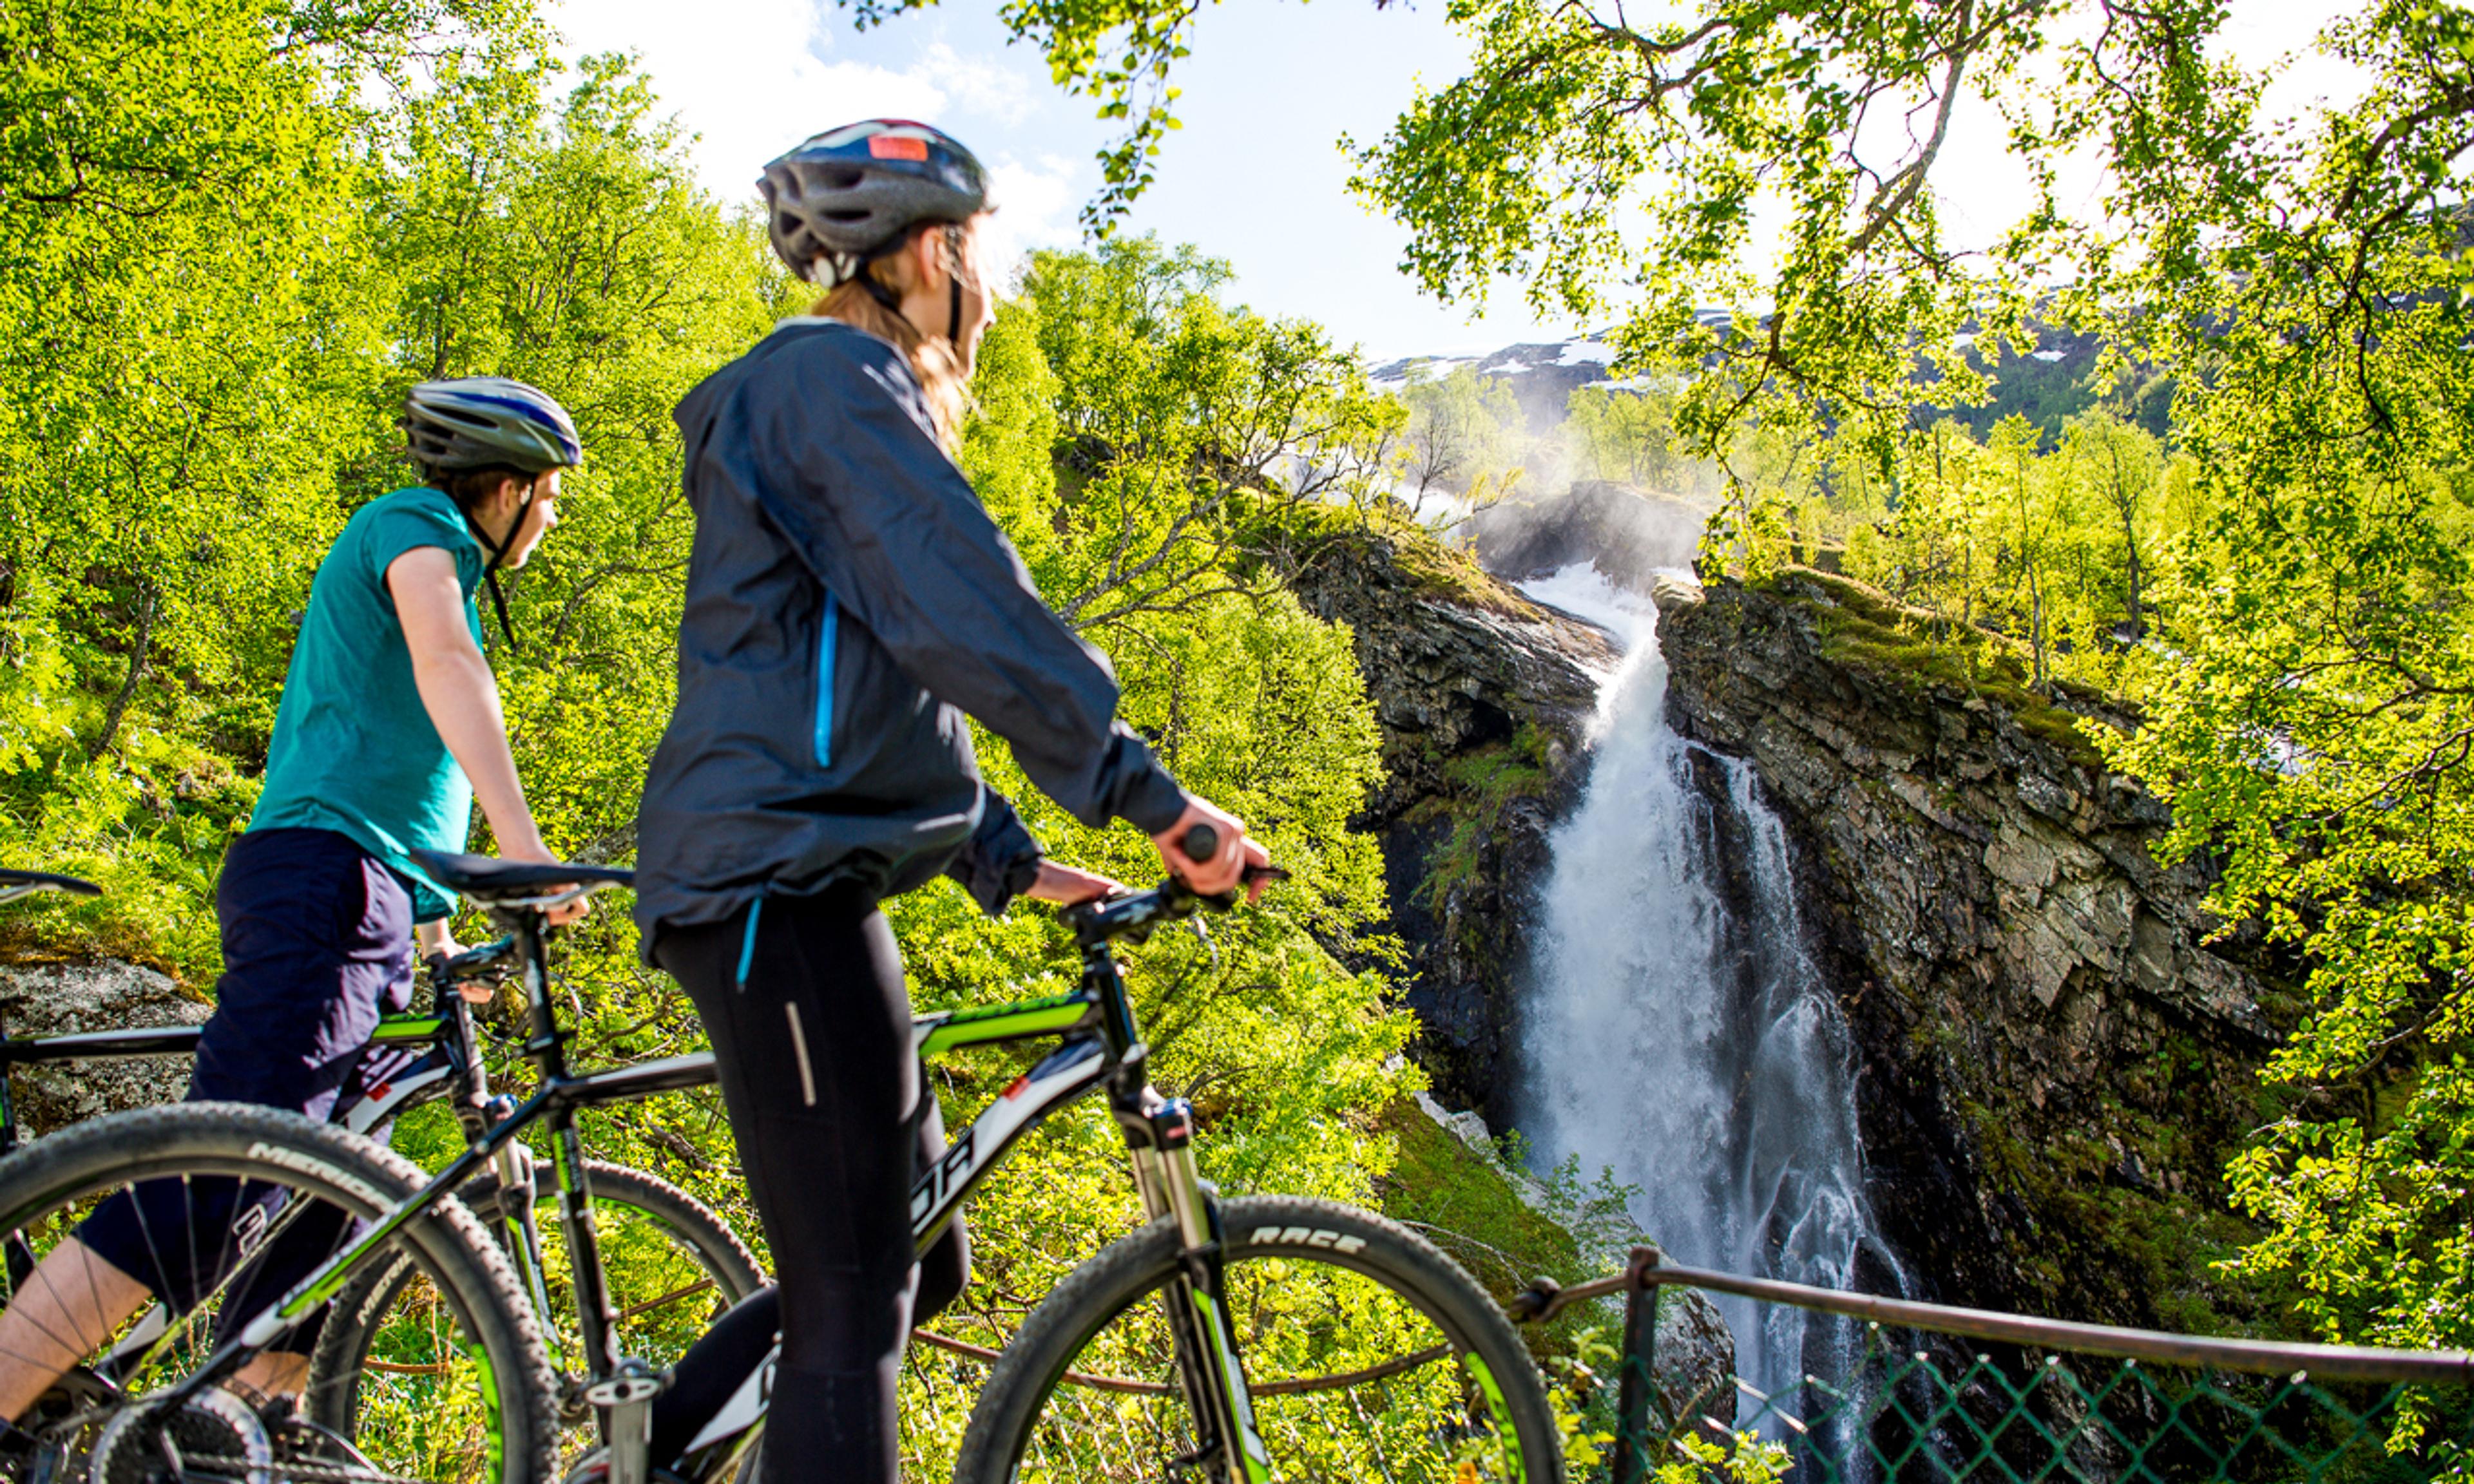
1637	1430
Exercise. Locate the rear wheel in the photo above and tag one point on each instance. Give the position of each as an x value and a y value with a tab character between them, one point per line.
1369	1354
672	1265
217	1208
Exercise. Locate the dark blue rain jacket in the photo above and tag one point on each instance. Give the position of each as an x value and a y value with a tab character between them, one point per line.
848	600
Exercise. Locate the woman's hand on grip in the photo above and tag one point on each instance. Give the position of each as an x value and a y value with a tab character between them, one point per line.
1226	870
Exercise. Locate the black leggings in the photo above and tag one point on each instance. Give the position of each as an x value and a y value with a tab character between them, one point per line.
811	1025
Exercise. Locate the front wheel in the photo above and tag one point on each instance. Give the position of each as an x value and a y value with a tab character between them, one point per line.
1369	1354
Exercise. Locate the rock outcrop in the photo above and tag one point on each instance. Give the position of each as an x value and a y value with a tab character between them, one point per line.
2056	1052
58	999
1483	697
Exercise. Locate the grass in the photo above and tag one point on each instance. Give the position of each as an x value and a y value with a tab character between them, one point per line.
1863	628
1477	787
1464	1204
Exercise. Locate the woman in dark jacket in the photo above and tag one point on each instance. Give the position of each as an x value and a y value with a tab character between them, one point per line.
848	601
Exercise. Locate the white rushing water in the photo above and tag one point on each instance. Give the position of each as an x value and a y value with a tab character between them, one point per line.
1676	1032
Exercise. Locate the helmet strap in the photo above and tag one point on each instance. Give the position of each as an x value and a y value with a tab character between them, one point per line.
954	311
497	550
876	290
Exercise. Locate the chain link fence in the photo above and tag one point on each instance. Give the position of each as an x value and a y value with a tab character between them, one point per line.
1929	1393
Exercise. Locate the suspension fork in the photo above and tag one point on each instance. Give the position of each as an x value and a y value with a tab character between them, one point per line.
1159	1140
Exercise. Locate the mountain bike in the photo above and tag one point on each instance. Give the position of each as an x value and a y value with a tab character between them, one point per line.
1237	1340
672	1265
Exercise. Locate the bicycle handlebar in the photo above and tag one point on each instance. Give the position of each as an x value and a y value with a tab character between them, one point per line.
1134	914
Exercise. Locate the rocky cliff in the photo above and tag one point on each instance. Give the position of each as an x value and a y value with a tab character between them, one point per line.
2056	1051
1483	697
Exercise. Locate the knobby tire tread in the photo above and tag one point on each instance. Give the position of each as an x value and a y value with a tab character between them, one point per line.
1097	1291
218	1138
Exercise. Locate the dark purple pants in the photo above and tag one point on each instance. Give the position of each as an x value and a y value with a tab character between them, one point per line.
317	938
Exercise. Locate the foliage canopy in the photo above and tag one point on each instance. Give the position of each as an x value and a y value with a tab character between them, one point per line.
2290	571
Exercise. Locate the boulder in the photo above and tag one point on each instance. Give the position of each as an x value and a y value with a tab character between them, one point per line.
1627	533
58	999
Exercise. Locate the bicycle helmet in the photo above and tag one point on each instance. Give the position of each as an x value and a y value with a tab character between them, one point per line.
476	421
845	196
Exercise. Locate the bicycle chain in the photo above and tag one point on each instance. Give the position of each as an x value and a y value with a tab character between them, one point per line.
289	1470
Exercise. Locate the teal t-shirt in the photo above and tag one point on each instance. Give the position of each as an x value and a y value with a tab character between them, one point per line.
354	750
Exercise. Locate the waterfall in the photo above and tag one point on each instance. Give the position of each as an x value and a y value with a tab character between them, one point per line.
1676	1031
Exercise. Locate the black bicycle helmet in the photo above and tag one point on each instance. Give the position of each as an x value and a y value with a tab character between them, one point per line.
845	196
478	422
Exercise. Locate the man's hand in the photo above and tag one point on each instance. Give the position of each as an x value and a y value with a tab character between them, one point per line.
436	941
533	849
1223	870
1067	886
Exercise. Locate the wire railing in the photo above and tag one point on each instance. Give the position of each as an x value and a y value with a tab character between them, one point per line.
1926	1392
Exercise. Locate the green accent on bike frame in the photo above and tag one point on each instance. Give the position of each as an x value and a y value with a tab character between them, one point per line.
409	1028
1250	1442
1502	1410
1006	1022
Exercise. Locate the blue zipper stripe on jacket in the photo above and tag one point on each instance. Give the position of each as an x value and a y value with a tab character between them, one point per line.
825	682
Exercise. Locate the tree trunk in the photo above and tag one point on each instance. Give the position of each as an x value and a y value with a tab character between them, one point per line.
137	670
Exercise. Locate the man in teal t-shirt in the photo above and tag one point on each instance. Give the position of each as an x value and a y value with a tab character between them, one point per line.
354	750
388	726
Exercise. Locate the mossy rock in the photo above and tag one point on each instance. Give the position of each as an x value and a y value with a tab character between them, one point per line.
1865	629
1467	1205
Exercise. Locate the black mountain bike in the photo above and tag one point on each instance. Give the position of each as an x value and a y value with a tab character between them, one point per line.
1237	1340
672	1265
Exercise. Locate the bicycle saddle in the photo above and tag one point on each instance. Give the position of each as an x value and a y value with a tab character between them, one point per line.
18	883
488	878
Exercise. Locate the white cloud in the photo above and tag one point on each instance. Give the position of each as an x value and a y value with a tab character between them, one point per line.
749	79
1035	206
979	86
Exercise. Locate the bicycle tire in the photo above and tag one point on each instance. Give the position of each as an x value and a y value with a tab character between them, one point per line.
687	1223
504	1370
1306	1281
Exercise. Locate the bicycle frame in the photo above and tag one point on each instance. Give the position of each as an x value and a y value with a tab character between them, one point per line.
452	1067
1102	1047
402	1088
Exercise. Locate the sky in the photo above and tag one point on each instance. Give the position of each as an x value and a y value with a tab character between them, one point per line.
1255	176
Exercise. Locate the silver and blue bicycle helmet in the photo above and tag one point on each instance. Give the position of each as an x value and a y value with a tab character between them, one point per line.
849	196
479	422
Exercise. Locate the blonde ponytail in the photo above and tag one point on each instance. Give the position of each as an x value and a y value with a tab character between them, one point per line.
932	358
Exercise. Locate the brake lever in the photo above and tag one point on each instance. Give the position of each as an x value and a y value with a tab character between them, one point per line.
1222	902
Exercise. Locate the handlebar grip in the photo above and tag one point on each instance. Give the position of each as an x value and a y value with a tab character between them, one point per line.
1200	843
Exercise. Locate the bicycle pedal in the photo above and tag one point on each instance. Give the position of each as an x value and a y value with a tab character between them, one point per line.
627	1389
